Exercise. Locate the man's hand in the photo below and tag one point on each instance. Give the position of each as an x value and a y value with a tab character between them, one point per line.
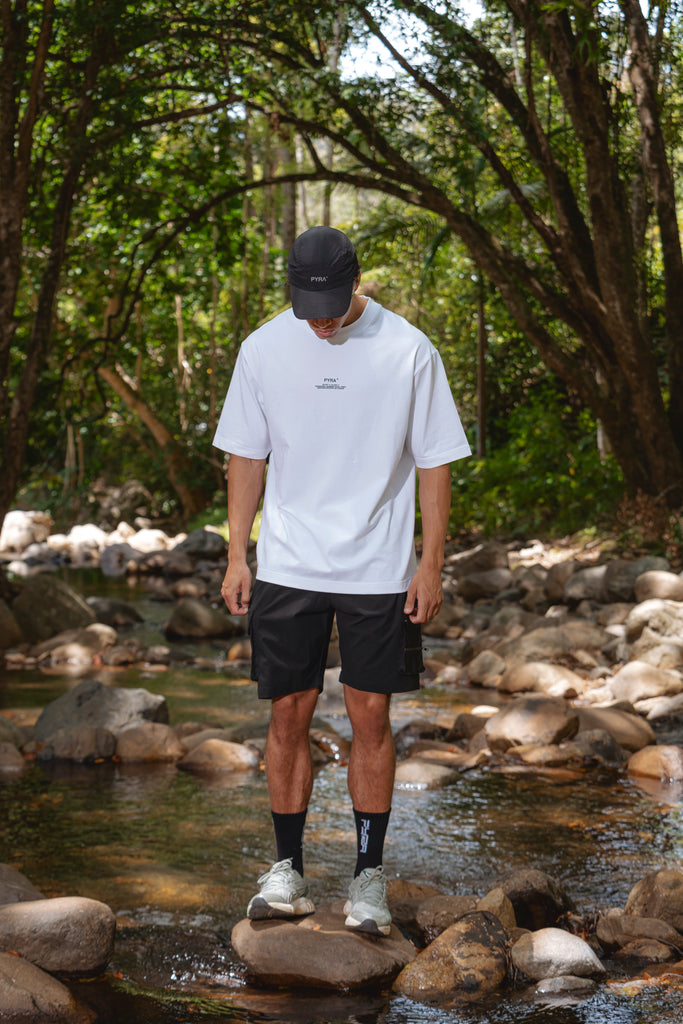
425	595
236	588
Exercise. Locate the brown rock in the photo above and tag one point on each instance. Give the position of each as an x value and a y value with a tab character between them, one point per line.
467	961
319	952
150	741
68	935
660	895
30	996
657	762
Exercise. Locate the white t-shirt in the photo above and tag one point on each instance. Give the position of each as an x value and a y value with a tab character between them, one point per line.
344	422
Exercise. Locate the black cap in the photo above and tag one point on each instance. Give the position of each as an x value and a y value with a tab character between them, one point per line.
322	271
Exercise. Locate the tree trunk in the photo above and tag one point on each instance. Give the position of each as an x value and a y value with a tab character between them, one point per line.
181	468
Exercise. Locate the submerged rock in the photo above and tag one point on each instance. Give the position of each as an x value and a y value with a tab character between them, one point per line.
93	703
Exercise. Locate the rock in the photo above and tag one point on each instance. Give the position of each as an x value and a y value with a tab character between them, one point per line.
537	899
657	762
318	952
118	559
481	558
550	642
497	903
556	580
114	612
648	949
662	617
149	741
617	929
405	899
93	703
552	953
11	733
467	725
20	529
75	648
660	895
540	677
10	630
219	755
567	985
661	707
436	913
31	996
47	606
15	887
10	758
485	669
81	743
481	585
627	729
598	745
418	774
637	681
194	618
204	543
621	576
69	935
538	720
656	583
586	585
466	961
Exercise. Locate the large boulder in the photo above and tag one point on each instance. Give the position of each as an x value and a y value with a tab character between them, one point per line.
626	728
638	681
541	677
467	961
46	606
657	583
662	617
319	952
69	935
660	895
149	742
20	529
537	899
93	703
538	720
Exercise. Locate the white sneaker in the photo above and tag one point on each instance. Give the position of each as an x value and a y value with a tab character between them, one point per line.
282	893
366	907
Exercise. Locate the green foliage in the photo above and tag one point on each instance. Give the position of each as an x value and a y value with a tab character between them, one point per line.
546	477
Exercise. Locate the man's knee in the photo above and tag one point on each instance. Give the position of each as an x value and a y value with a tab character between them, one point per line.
292	713
368	714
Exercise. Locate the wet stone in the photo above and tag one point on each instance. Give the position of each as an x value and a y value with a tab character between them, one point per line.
317	951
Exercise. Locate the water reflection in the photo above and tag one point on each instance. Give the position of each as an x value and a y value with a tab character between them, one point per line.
176	855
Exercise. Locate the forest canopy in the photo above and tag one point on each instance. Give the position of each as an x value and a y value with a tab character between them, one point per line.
508	172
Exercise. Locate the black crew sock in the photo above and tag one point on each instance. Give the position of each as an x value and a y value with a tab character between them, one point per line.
371	829
289	835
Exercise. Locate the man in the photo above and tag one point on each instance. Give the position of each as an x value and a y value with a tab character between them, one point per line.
344	400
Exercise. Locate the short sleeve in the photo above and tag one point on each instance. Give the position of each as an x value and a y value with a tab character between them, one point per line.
242	428
436	435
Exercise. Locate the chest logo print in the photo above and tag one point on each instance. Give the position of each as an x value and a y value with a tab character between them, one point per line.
330	384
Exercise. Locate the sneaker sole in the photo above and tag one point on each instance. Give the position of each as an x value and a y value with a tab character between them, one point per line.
260	910
368	925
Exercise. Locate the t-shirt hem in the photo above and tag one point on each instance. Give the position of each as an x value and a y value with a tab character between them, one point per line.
235	448
440	459
335	586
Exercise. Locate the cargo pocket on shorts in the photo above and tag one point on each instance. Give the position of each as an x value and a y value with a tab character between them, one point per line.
412	657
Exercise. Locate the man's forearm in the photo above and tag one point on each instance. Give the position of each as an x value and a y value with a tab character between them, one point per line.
245	487
435	506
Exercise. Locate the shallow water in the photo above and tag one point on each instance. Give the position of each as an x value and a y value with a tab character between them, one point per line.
176	857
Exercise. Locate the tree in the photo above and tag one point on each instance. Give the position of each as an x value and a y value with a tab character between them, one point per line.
569	105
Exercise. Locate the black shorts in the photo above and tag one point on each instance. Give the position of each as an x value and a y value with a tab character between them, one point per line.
381	649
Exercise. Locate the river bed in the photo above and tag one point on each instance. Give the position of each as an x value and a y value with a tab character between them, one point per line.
176	856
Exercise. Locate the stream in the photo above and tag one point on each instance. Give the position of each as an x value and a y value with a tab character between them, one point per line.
176	855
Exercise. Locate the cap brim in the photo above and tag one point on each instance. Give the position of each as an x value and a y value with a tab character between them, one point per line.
323	305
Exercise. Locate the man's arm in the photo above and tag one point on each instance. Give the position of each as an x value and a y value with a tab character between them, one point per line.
425	593
245	487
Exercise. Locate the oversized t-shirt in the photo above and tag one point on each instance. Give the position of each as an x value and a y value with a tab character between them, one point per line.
343	423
